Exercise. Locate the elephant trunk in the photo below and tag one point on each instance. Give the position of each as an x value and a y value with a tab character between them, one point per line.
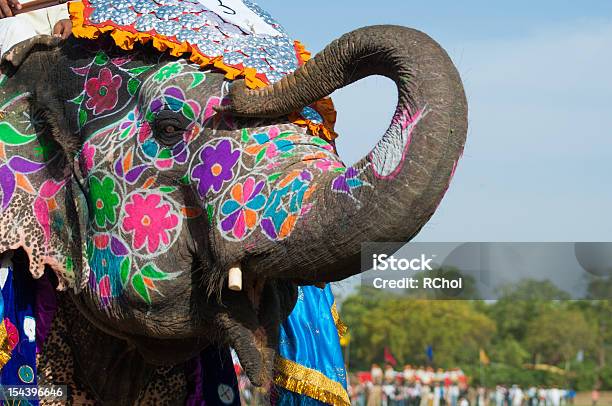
393	191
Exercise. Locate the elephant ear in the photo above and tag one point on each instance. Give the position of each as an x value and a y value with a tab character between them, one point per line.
21	51
38	197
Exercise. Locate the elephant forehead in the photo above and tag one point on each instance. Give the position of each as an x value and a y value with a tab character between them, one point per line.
193	82
235	36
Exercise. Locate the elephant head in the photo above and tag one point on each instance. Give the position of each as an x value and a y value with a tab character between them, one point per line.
141	179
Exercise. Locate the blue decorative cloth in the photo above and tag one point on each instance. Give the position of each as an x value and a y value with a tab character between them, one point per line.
18	297
285	397
310	368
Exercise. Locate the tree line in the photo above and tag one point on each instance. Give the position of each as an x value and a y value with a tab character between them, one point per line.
533	334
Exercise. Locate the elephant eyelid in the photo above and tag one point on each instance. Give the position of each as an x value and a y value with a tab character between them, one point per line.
171	115
166	138
165	119
170	122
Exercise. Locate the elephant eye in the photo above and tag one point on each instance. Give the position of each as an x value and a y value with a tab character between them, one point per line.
169	127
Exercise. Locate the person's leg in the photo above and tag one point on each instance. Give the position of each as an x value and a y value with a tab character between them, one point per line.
13	30
24	26
55	14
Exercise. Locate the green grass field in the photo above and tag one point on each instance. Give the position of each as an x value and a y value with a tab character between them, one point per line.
584	399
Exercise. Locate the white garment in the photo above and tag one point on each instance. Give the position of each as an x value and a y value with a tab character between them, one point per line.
438	393
554	396
377	375
389	375
517	396
500	393
15	29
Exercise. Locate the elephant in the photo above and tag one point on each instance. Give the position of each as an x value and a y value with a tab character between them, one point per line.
138	180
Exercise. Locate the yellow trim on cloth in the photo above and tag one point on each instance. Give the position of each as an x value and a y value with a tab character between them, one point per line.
309	382
126	39
342	328
5	346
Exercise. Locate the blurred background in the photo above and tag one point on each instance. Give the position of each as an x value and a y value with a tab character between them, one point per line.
538	76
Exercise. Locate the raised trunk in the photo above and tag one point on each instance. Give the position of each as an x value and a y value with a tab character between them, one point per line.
402	179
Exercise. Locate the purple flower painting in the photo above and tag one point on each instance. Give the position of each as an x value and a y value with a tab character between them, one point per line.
216	167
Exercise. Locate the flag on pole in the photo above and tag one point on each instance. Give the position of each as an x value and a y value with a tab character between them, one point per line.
429	353
484	358
389	358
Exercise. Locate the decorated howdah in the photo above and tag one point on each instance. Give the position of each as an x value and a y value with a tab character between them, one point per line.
235	36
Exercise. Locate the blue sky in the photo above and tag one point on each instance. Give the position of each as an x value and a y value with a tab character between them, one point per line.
538	76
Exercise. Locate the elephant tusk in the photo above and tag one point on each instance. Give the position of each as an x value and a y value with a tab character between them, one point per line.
234	280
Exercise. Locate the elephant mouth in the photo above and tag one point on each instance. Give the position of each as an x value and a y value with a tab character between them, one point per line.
248	321
251	323
254	291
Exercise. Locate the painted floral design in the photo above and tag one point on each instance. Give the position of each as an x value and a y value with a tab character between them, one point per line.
150	220
45	205
286	204
144	280
12	174
327	165
243	193
164	158
348	181
210	113
216	167
174	99
87	157
104	200
103	91
129	125
110	265
167	71
272	144
144	132
241	210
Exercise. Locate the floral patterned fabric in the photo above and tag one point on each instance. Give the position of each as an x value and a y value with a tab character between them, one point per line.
19	321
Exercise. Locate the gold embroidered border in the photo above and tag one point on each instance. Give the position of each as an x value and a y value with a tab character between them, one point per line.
342	328
5	346
305	381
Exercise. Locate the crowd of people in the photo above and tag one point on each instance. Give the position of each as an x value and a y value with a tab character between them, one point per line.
424	386
532	396
418	386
